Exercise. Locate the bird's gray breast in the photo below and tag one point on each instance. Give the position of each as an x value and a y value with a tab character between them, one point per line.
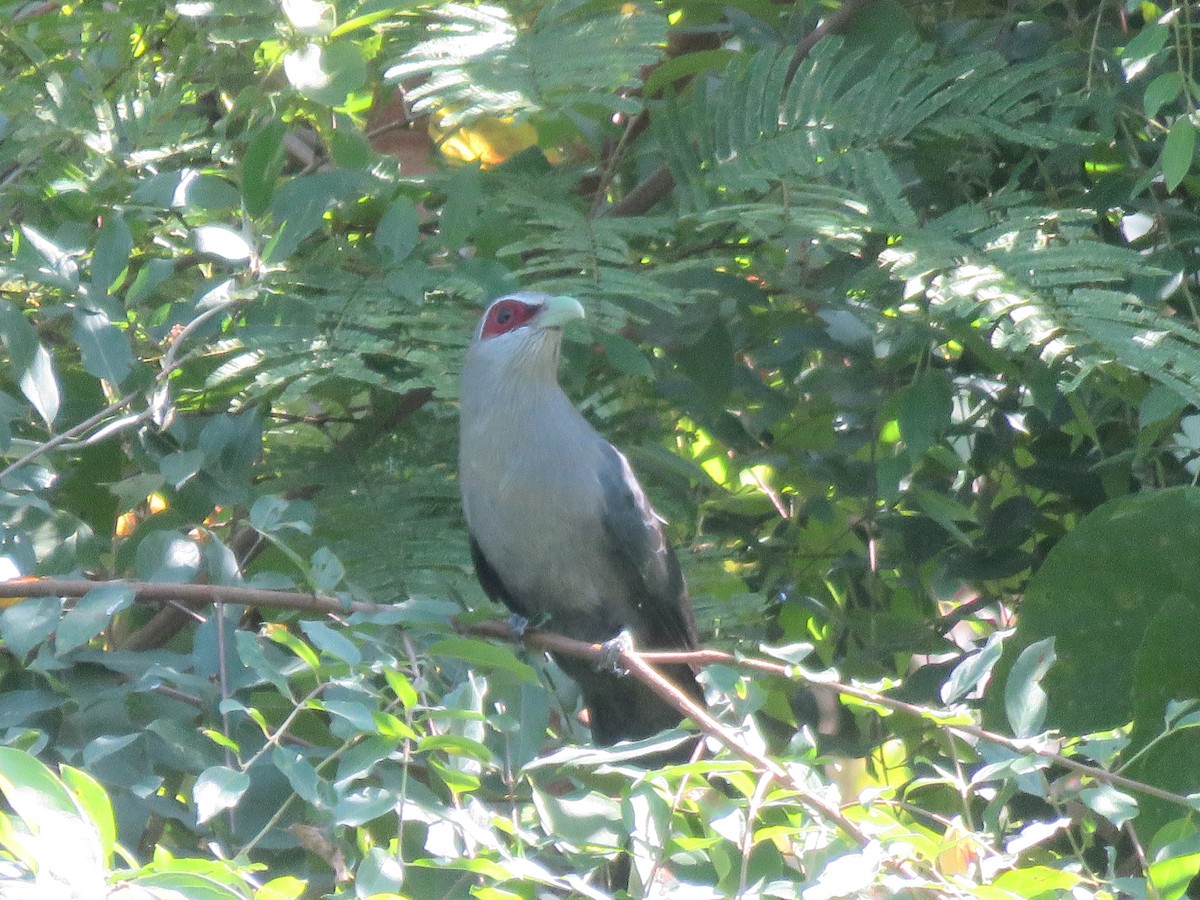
534	503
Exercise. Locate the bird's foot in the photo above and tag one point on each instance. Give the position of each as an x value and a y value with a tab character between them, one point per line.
610	659
517	624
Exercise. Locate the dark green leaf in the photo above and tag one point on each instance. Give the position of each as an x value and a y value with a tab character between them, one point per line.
1178	152
26	624
923	411
104	347
91	615
332	642
1024	698
262	165
1161	91
217	789
396	234
487	655
110	257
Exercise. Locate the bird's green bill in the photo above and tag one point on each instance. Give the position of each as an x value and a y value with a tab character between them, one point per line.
559	311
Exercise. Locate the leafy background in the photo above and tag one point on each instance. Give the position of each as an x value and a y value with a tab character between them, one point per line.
893	307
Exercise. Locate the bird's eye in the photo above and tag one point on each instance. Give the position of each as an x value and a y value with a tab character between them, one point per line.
506	316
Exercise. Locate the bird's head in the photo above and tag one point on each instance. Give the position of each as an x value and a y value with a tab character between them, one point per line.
522	332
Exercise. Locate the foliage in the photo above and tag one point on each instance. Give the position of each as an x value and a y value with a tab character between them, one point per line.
899	329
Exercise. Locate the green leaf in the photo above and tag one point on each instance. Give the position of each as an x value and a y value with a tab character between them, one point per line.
300	774
326	73
111	254
1037	881
923	411
326	570
464	195
55	820
217	789
1145	44
271	513
397	233
1161	91
380	873
262	164
94	802
1107	801
148	278
1160	403
974	670
104	347
1174	869
333	642
286	887
170	885
582	819
364	805
624	355
1178	151
1098	595
40	385
91	615
946	511
1024	698
222	242
674	68
18	337
26	624
484	654
1164	669
180	467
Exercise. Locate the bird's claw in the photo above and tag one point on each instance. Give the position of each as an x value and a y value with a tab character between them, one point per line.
610	659
517	624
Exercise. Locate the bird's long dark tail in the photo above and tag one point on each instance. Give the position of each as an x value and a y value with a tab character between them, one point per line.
622	708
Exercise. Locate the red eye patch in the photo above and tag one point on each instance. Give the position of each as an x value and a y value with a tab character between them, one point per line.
506	316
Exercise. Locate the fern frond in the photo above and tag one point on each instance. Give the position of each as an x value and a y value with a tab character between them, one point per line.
847	123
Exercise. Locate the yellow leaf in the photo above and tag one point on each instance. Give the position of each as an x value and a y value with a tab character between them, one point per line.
489	140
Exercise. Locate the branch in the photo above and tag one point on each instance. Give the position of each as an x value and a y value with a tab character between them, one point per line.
636	663
170	362
157	592
835	24
937	716
639	664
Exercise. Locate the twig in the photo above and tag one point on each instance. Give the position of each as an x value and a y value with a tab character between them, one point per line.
67	435
168	366
833	25
704	657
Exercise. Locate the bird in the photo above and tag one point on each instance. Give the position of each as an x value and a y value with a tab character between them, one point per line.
560	529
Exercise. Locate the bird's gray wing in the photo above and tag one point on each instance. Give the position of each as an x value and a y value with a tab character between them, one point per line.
643	557
490	580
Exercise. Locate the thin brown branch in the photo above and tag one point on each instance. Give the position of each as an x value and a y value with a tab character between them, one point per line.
639	664
835	24
154	592
705	657
635	663
642	198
